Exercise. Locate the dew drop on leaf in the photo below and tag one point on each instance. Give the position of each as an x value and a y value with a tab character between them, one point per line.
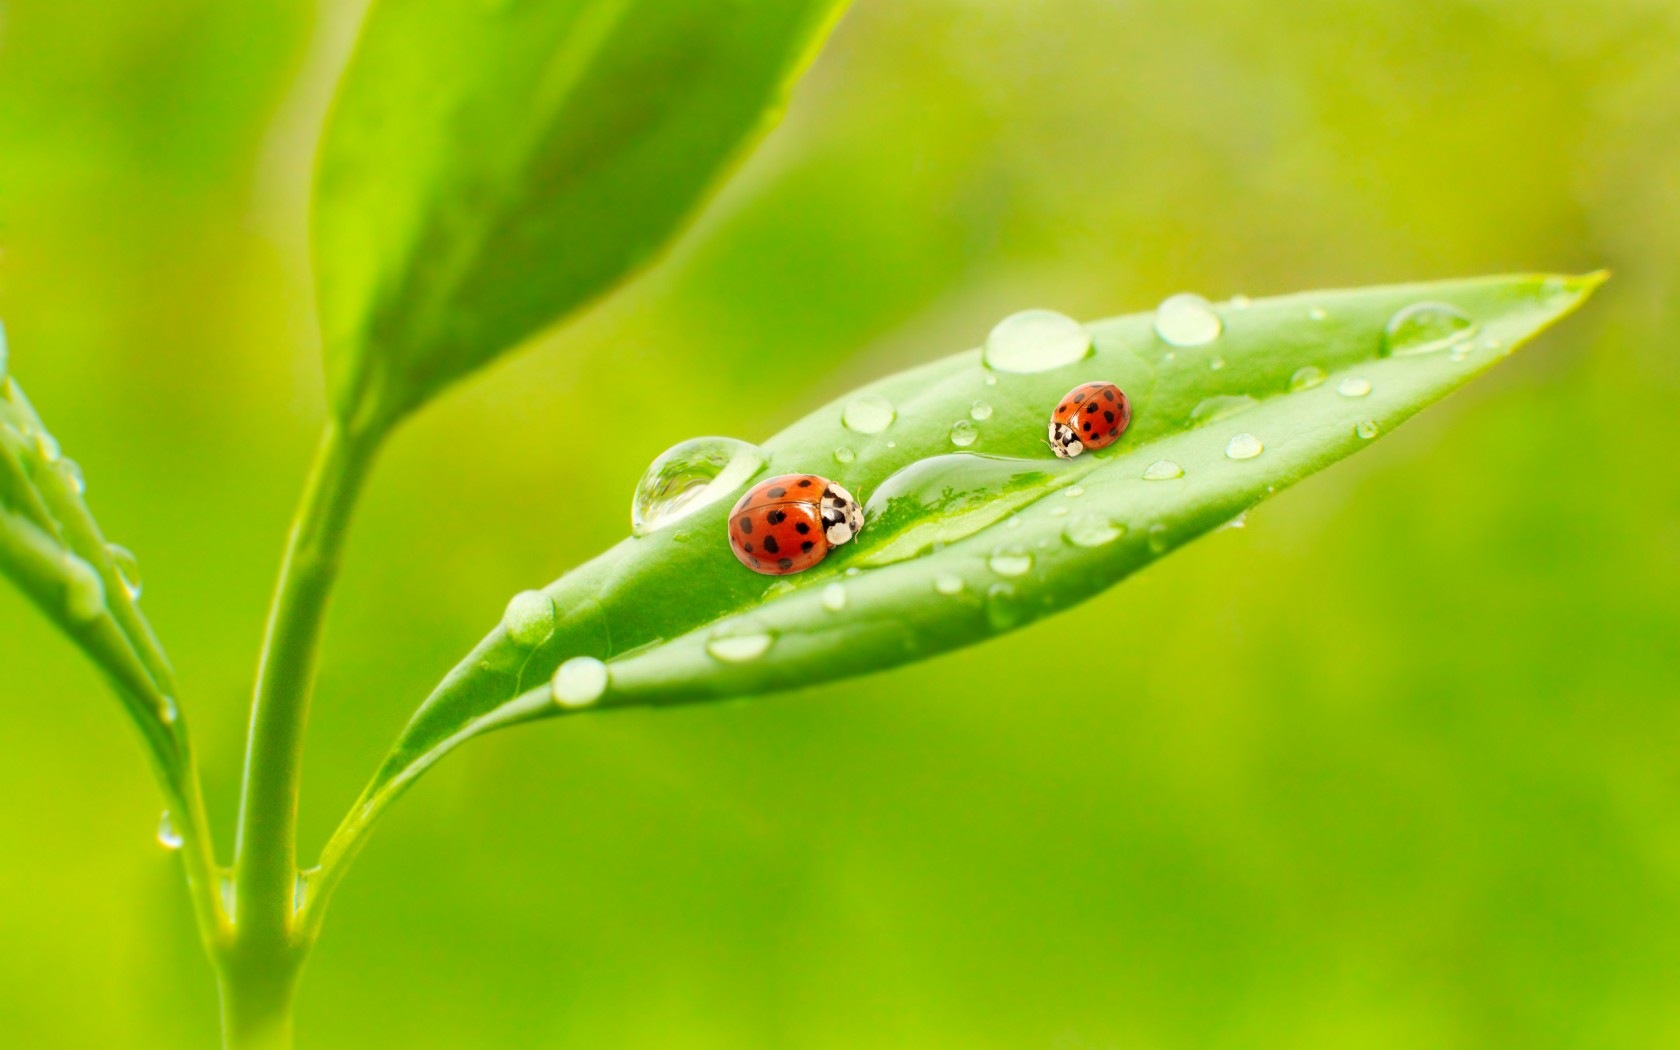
578	682
1036	341
844	455
1186	319
1241	302
168	710
834	597
1158	538
1424	328
1010	561
739	642
689	476
73	476
980	411
128	569
1305	378
870	414
1367	429
84	593
1243	446
1091	530
167	836
964	433
529	618
1003	607
1354	387
947	583
1074	491
1319	313
1162	470
1217	363
46	446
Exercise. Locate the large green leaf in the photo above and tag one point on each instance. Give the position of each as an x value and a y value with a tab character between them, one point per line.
964	543
490	167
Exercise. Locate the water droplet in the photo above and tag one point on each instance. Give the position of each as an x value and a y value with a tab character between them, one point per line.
300	889
739	641
128	569
943	499
1318	313
779	588
990	380
1238	522
1243	446
1036	341
1306	377
689	476
73	476
578	682
1011	561
1014	522
946	583
1367	429
834	597
869	414
84	592
1162	470
980	411
167	836
529	618
1241	302
1003	607
1091	530
1074	491
844	455
1217	363
1353	387
46	446
1158	538
1059	511
168	710
1223	406
964	433
853	571
1186	319
1423	328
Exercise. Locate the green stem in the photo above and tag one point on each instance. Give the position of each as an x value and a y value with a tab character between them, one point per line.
265	865
257	1007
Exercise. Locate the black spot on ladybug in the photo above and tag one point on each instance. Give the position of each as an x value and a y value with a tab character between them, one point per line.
805	483
771	545
802	528
776	493
746	524
1061	408
1114	431
776	517
749	548
807	545
1085	426
785	563
1108	417
1108	395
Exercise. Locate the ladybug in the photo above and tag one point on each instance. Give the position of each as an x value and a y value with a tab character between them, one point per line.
791	522
1090	416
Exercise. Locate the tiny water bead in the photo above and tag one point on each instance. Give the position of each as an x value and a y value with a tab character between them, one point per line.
1187	319
1158	538
1004	608
1238	522
1367	429
1162	470
1243	446
779	588
947	584
578	682
1318	313
1035	341
84	592
980	411
1074	491
73	476
844	455
128	569
869	414
1059	511
1217	363
834	597
1091	530
689	476
1424	328
964	433
1305	378
46	446
168	710
1222	406
1010	561
168	837
529	618
739	642
1353	387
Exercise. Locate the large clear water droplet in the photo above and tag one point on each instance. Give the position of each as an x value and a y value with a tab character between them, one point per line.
1305	378
1162	470
168	837
943	499
870	414
1186	319
128	569
1011	561
834	597
84	592
578	682
1367	429
529	618
689	476
1243	446
1424	328
1223	406
1092	530
964	433
739	641
1353	387
1036	341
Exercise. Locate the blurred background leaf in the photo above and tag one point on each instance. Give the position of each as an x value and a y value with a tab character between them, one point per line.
488	168
1392	766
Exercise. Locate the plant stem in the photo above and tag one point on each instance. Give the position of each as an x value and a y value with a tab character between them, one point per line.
265	863
257	1008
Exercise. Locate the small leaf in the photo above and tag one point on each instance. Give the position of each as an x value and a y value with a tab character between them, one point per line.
490	167
971	538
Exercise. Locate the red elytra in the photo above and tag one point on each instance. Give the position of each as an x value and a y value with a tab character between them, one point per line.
1090	416
789	523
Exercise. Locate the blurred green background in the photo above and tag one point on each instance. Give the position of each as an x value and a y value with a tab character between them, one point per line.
1393	766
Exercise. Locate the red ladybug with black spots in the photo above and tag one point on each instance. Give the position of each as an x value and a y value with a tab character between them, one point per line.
1090	416
789	523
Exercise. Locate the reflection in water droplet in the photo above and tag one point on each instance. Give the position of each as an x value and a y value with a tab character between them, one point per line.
1011	561
84	593
1158	538
128	569
1036	341
1224	406
739	641
1243	446
1306	377
964	433
1353	387
1423	328
980	411
844	455
834	597
167	836
870	414
529	618
1091	530
689	476
1186	319
946	583
943	499
1162	470
1367	429
1003	607
578	682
